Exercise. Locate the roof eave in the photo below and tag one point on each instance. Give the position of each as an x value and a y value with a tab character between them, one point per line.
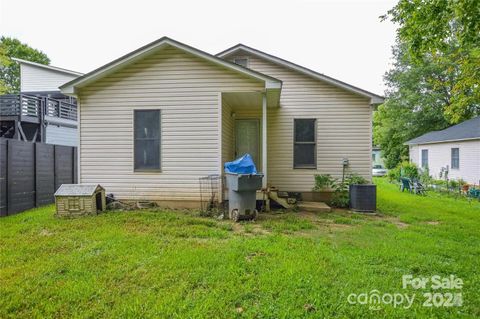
374	98
442	141
70	87
48	67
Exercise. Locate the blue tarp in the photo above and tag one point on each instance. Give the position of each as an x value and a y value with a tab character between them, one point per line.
242	165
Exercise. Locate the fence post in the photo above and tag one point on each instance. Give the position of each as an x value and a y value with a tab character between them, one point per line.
55	168
4	191
35	173
9	179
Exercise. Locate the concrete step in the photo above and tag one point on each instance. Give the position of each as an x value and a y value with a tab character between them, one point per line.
315	207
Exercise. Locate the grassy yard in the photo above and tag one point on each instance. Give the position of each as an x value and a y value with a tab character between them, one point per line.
154	264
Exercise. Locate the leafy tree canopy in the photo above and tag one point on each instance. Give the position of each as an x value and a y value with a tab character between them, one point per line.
435	79
9	70
413	106
447	33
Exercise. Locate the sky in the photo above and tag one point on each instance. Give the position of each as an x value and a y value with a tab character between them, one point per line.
342	39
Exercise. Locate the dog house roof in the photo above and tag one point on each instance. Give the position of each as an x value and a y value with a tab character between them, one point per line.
78	189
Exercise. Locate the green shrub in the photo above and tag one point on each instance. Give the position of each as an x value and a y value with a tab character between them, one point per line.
324	182
340	198
354	178
461	182
453	184
425	177
394	174
404	169
409	170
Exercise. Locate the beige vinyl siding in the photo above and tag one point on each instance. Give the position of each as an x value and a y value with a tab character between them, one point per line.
343	127
439	155
35	79
186	89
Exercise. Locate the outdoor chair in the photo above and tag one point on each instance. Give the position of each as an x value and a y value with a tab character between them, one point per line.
473	192
418	187
405	184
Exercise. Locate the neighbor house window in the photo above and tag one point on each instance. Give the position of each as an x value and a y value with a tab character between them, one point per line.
305	146
424	158
241	61
147	139
455	158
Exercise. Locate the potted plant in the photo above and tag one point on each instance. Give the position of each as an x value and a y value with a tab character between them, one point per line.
324	187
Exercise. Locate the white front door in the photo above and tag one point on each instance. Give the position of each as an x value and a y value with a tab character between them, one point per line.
247	139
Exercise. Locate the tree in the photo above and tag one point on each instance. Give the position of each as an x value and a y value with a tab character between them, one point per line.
435	79
447	33
9	70
413	105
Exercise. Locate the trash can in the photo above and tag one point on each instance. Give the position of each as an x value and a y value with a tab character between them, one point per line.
242	191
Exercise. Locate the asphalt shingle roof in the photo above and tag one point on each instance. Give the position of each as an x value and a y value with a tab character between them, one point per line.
466	130
76	189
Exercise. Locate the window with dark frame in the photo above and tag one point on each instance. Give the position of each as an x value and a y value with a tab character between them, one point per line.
304	143
424	158
147	140
455	158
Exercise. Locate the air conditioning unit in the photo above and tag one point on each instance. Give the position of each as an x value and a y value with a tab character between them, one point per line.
363	197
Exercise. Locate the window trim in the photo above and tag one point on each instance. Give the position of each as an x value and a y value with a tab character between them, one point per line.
148	170
314	166
421	157
458	157
242	57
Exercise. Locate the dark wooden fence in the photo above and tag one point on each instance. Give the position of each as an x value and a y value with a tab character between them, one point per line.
30	173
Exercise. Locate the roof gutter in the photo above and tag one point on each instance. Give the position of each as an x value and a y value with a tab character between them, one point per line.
444	141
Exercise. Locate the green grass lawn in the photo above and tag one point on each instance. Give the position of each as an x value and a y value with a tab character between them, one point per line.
150	264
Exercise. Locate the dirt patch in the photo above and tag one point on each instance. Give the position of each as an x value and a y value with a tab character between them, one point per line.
400	224
388	219
249	229
45	232
432	222
309	215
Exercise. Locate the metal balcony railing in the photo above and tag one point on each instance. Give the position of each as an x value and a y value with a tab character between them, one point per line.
31	106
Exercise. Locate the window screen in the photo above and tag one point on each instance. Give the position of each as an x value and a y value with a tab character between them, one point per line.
424	158
305	146
147	139
455	158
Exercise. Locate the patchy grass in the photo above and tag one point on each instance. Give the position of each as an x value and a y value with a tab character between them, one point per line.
150	264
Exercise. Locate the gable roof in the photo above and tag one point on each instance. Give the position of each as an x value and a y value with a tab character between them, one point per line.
69	87
47	67
77	189
375	99
467	130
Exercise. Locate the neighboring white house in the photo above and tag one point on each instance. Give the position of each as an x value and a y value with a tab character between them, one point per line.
36	77
43	81
456	148
157	119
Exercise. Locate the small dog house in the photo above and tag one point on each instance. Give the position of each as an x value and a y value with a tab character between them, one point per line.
79	199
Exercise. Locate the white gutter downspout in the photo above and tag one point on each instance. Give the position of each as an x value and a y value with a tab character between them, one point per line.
264	140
